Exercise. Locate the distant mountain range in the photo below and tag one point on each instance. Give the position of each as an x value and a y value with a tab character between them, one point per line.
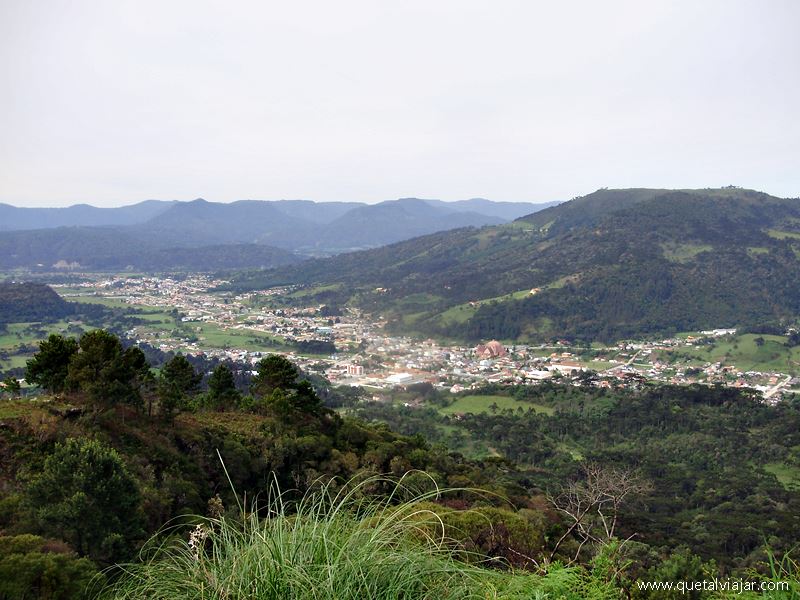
13	218
613	264
266	233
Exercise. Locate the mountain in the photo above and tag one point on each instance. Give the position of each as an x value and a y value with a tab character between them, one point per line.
613	264
97	248
200	222
311	227
320	213
387	222
295	225
14	218
507	211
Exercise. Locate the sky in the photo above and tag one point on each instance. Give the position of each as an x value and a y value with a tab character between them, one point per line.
113	102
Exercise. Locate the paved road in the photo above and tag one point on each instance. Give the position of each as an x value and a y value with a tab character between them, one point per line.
774	389
627	364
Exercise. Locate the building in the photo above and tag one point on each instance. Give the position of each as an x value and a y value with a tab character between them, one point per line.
493	349
356	370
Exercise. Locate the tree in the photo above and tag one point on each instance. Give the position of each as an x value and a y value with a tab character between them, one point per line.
11	386
86	496
178	381
48	367
592	505
106	372
274	371
305	399
222	390
793	339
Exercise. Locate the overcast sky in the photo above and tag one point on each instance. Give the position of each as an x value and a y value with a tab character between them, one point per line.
110	102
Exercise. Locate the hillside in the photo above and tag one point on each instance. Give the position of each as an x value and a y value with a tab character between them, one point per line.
613	264
25	302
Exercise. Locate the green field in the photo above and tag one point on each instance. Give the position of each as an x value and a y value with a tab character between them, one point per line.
682	253
25	333
463	312
105	301
313	291
788	475
782	235
743	352
481	404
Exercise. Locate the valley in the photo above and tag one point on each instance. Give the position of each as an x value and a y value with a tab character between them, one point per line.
188	314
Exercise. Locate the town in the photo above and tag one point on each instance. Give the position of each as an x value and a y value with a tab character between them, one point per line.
350	349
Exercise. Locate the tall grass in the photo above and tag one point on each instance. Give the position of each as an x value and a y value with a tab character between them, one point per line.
332	544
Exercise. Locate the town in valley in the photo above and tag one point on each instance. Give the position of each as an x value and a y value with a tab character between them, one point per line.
187	314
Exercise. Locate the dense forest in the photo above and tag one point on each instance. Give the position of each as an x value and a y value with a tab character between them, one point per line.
711	455
109	451
109	249
611	265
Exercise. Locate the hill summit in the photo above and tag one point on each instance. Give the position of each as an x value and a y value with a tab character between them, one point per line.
609	265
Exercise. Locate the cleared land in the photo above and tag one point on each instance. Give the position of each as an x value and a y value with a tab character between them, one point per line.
482	404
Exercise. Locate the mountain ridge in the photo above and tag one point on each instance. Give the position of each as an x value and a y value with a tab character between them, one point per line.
609	265
291	225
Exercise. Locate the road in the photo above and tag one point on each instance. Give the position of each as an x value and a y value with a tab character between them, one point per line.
774	389
627	364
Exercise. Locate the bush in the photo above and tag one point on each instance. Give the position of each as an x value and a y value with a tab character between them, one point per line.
32	567
329	545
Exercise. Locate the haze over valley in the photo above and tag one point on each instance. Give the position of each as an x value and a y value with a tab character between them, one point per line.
399	301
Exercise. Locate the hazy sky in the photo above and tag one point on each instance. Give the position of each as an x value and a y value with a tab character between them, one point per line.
113	101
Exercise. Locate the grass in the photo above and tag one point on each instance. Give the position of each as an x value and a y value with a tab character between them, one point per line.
457	314
13	409
18	334
105	301
9	341
313	291
481	404
787	475
682	253
214	336
743	352
782	235
336	543
461	313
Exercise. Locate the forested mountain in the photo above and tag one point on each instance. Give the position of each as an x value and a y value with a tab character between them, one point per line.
388	222
613	264
100	248
311	227
296	225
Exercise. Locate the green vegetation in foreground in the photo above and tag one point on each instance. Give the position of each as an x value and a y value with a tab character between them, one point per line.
484	404
319	548
338	544
708	493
